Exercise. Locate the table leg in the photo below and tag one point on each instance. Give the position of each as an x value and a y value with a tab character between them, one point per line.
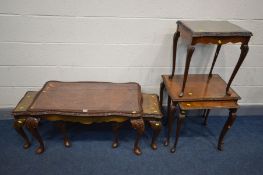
156	126
180	121
230	121
138	125
32	124
171	111
215	58
175	40
207	111
63	130
190	51
18	125
161	94
244	50
116	132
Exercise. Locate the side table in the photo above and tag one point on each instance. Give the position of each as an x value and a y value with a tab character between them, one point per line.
209	32
202	92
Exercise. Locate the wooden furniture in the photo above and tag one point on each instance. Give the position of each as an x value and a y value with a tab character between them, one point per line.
151	115
83	102
209	32
201	92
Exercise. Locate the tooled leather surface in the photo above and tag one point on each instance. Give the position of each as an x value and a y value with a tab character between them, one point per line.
88	99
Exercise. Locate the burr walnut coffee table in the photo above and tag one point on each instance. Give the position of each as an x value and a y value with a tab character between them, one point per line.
84	102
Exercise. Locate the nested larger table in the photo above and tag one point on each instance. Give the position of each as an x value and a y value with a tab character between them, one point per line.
201	92
84	102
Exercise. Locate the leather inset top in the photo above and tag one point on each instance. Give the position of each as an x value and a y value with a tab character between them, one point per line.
88	99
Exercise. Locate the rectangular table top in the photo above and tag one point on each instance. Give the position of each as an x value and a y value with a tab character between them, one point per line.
199	88
213	28
88	99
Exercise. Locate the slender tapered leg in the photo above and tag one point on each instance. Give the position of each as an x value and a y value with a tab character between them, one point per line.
171	111
63	130
32	124
116	132
215	58
175	39
190	51
18	125
161	94
206	116
204	112
230	121
244	50
180	121
138	125
156	126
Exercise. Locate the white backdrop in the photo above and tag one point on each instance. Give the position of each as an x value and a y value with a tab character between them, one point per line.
118	41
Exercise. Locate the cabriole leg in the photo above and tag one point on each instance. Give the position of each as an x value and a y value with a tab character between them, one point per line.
171	111
63	130
180	121
18	125
156	126
116	132
230	121
138	125
32	125
190	51
207	111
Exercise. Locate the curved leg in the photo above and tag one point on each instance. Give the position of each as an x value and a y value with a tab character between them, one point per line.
175	39
204	112
243	54
161	94
156	126
180	121
63	130
171	112
230	121
215	58
138	125
190	51
18	125
116	131
32	124
207	111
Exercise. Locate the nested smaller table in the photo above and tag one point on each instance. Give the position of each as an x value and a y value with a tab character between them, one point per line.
84	102
209	32
202	92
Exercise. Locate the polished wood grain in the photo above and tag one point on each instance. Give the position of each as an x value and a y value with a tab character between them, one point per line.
151	114
209	32
199	87
208	105
203	93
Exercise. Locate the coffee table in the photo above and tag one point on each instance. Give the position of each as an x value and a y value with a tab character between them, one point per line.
83	102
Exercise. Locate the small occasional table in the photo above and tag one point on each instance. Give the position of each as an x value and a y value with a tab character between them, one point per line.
209	32
84	102
201	92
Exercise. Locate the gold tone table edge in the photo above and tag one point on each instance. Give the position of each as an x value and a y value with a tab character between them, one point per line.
152	116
